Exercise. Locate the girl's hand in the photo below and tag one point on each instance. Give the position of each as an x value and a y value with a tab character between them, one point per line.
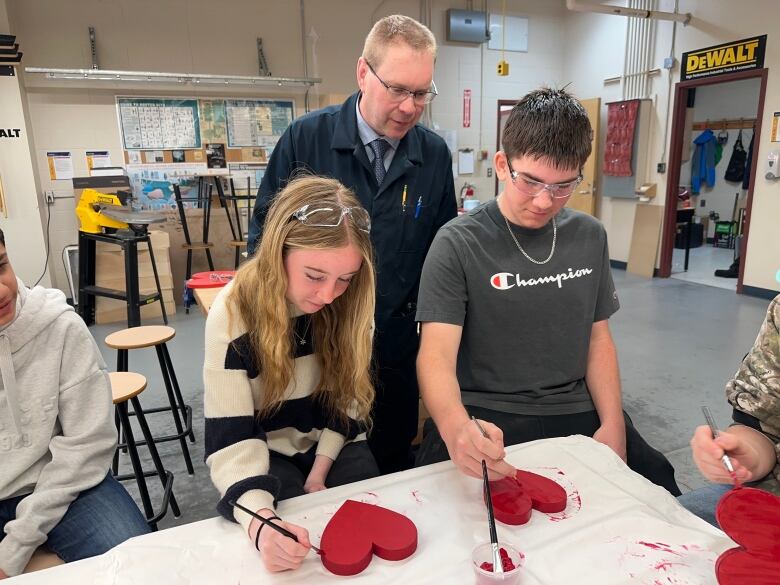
313	485
279	552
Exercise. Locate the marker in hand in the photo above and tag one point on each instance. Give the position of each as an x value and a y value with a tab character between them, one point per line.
714	430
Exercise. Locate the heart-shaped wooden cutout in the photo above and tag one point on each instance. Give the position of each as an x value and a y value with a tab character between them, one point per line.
751	517
514	497
358	531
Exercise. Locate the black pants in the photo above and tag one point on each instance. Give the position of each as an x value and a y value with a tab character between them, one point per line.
397	395
354	463
518	428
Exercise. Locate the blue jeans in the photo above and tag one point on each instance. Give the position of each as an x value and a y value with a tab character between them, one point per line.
97	520
702	502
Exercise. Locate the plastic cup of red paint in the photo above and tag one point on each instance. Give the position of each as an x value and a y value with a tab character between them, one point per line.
484	554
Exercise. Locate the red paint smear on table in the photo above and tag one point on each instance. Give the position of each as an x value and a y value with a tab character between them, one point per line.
751	517
666	565
659	546
416	496
358	531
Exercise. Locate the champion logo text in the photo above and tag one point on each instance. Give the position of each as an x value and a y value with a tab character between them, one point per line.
507	280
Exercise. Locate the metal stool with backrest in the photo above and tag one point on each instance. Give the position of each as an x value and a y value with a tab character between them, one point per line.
125	387
156	336
228	202
201	200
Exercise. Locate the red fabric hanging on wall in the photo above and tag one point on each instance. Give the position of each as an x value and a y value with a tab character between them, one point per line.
621	121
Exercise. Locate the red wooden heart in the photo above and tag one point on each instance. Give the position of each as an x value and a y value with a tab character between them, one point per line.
751	517
514	497
358	531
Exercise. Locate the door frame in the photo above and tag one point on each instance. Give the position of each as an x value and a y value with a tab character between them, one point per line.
500	104
675	162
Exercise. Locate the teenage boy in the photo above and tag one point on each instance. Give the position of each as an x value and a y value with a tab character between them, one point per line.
514	302
57	433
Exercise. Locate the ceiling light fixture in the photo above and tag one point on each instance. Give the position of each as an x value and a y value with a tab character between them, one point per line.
162	77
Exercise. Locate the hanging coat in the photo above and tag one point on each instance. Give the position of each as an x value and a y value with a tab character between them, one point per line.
748	163
703	161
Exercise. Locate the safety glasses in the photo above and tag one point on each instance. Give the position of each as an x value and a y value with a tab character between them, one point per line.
332	216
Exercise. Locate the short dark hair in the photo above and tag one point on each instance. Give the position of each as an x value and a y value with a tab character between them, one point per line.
549	124
2	238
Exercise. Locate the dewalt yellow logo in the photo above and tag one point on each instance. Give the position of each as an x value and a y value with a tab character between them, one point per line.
727	58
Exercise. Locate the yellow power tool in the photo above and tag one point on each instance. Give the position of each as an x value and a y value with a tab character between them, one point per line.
89	210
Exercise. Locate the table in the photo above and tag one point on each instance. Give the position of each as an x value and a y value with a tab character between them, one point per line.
205	298
617	528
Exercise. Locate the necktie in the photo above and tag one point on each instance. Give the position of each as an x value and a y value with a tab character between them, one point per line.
379	148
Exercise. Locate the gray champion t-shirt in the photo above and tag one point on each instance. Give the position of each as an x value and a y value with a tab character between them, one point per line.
526	327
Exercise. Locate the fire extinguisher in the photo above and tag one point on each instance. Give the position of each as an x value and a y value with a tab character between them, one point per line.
466	192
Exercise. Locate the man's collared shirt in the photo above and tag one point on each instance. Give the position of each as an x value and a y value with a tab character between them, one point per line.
368	135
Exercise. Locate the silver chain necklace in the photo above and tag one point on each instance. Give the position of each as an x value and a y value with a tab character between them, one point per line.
519	247
302	339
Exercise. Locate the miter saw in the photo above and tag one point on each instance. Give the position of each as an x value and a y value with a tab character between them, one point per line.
109	213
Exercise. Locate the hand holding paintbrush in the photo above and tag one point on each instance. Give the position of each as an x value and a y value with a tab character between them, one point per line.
280	547
498	565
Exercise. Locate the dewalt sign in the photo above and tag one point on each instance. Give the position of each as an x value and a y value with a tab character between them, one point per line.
726	58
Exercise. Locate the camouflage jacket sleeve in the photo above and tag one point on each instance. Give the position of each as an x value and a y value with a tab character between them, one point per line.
755	388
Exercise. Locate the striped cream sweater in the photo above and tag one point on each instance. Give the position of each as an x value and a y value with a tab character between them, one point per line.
238	441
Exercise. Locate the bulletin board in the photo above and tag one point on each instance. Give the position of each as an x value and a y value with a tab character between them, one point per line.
253	123
186	131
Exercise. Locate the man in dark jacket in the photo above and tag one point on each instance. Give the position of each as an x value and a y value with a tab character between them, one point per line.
402	174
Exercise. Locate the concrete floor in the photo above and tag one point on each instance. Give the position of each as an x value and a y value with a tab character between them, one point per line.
702	264
678	345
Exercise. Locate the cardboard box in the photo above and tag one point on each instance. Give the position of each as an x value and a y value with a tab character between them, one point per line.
146	284
110	265
110	260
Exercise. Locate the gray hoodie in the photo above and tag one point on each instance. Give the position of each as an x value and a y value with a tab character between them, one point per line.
57	433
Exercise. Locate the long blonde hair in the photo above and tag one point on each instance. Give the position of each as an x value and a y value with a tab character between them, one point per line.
342	330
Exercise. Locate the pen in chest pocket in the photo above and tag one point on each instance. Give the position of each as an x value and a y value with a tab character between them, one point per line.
418	207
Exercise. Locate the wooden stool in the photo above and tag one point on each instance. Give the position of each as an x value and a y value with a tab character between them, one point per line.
125	387
156	336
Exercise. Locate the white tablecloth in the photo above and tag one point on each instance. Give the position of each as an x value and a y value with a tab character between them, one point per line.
617	528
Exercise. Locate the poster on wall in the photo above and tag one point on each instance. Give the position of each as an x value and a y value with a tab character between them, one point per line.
153	123
98	159
256	122
246	173
153	184
725	58
60	165
213	127
215	156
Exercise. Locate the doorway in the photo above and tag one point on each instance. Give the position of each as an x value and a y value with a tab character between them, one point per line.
711	220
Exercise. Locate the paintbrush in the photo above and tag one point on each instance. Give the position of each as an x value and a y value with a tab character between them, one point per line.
714	430
498	565
279	529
